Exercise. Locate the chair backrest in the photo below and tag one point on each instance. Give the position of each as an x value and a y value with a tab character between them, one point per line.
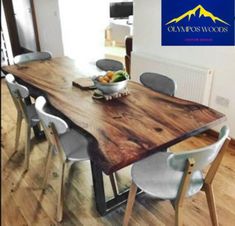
128	46
18	93
109	65
2	74
26	57
202	156
15	87
53	126
47	119
158	83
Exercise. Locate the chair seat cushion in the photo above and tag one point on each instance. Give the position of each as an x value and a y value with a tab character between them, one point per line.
157	179
159	83
33	116
109	65
75	145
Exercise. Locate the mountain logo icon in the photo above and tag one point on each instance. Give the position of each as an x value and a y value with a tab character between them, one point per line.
202	12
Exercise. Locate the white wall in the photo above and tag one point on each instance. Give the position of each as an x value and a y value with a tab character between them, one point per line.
147	39
49	27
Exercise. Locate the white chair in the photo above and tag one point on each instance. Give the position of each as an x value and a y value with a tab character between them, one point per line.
159	83
70	144
27	57
26	112
176	176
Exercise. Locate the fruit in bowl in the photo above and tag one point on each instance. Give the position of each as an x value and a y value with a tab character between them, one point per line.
111	82
112	76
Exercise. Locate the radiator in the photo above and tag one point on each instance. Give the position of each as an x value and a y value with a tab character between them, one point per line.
193	82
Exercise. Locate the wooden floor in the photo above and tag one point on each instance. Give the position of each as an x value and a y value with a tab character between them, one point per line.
23	202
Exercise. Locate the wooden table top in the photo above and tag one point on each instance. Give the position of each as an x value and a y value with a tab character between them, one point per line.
127	129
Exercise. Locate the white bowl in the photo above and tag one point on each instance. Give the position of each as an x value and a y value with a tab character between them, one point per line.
110	88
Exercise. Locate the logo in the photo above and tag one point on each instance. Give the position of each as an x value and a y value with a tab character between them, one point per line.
202	12
197	25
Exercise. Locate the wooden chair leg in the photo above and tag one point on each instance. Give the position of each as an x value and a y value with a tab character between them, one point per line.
130	202
48	161
183	191
178	215
113	184
211	203
18	129
27	147
59	216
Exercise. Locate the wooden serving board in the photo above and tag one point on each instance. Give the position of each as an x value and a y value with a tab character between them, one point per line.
83	83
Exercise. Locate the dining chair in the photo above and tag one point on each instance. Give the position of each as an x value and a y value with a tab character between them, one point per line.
109	65
128	47
175	176
70	144
159	83
27	112
2	74
27	57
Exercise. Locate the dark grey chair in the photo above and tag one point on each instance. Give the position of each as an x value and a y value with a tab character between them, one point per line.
27	57
159	83
109	65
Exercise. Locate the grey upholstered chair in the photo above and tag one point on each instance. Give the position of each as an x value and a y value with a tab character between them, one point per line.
176	176
26	112
26	57
109	65
70	144
158	83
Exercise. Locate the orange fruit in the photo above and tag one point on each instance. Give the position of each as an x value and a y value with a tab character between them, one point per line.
110	74
106	78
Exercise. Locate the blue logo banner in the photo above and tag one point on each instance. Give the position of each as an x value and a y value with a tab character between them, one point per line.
198	23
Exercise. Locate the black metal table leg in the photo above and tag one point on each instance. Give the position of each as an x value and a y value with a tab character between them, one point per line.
38	133
98	185
103	206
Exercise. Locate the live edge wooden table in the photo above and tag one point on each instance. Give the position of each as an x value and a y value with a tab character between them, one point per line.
125	129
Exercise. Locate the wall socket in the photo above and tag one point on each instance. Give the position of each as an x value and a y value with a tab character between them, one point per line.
222	101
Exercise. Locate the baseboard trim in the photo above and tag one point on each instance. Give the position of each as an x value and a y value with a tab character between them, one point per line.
215	134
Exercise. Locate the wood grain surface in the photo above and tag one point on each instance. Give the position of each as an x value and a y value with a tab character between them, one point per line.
126	129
